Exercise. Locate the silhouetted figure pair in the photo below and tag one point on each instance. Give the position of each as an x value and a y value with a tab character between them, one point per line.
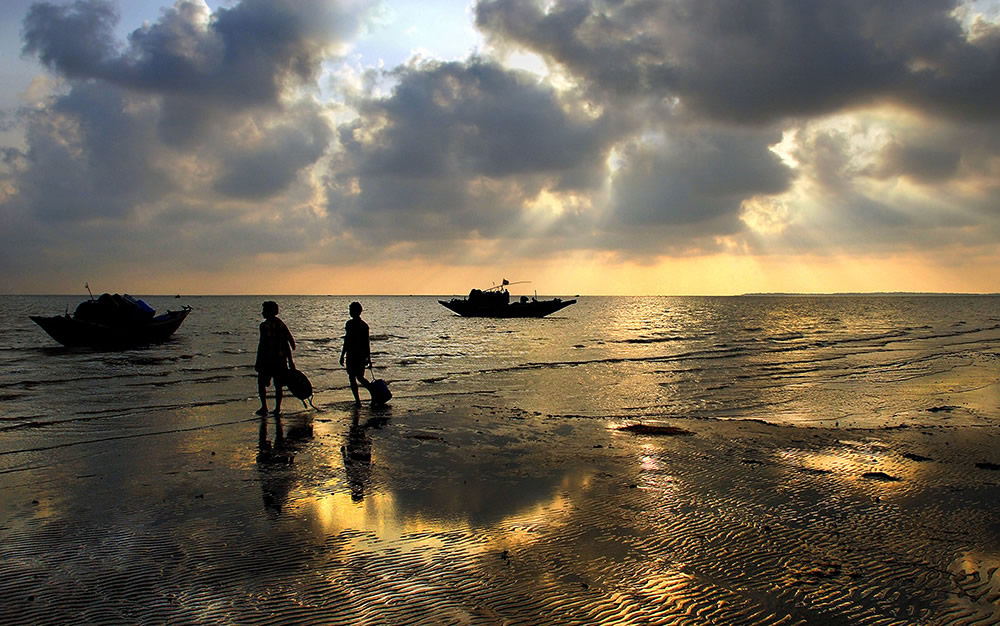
274	356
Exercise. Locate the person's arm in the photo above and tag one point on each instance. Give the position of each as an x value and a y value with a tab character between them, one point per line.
260	345
289	345
368	346
343	350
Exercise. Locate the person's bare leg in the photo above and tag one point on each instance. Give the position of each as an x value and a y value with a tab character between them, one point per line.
262	392
354	389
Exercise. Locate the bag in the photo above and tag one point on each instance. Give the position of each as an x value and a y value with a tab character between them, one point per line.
299	386
379	390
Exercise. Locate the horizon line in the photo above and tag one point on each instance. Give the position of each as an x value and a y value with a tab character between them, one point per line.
594	295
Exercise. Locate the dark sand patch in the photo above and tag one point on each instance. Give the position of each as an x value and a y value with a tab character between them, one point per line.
881	477
654	429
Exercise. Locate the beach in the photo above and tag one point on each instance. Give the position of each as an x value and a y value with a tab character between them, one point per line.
819	477
484	515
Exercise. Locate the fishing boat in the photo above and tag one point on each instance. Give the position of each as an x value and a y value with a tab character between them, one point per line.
112	320
495	302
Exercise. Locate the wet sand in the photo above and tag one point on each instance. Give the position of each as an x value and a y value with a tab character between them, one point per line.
484	514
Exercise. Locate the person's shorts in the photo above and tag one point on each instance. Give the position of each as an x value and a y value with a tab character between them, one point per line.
356	368
266	375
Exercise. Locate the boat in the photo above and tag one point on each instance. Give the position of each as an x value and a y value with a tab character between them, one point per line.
112	320
495	302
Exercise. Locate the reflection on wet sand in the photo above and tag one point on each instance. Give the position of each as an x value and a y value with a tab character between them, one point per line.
357	453
275	458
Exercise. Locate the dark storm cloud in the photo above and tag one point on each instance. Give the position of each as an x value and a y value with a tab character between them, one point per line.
923	162
191	81
461	148
480	119
268	164
74	40
762	60
89	157
696	176
240	56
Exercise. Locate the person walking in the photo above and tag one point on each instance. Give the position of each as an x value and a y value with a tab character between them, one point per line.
274	356
357	350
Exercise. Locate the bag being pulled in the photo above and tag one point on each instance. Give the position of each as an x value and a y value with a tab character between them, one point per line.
379	390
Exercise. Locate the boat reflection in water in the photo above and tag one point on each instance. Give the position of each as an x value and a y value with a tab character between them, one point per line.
495	302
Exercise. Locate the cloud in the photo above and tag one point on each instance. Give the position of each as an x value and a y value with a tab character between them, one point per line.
693	176
459	149
197	113
246	55
74	40
762	60
883	183
266	163
218	89
89	157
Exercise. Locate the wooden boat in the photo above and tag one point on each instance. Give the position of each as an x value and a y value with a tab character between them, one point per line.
495	302
112	321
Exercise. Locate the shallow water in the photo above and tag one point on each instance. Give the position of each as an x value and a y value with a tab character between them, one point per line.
869	361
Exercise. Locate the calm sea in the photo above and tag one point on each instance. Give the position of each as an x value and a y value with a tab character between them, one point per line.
867	361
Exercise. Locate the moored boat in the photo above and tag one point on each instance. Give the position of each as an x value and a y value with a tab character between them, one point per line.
495	302
112	320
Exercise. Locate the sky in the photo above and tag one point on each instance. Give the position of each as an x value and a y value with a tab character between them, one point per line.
677	147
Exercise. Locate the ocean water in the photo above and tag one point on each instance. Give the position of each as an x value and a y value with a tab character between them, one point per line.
865	361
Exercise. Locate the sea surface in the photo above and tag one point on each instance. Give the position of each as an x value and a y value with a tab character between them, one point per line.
849	361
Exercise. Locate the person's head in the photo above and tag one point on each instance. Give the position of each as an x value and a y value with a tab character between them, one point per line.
269	308
355	309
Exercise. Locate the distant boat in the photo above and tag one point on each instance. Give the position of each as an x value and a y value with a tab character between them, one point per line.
495	302
112	321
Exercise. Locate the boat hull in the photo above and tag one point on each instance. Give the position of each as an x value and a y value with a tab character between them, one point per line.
535	308
79	333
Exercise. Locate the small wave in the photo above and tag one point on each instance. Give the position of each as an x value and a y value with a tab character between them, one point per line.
642	340
386	337
785	337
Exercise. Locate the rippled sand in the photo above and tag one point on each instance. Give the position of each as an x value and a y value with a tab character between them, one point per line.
483	514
